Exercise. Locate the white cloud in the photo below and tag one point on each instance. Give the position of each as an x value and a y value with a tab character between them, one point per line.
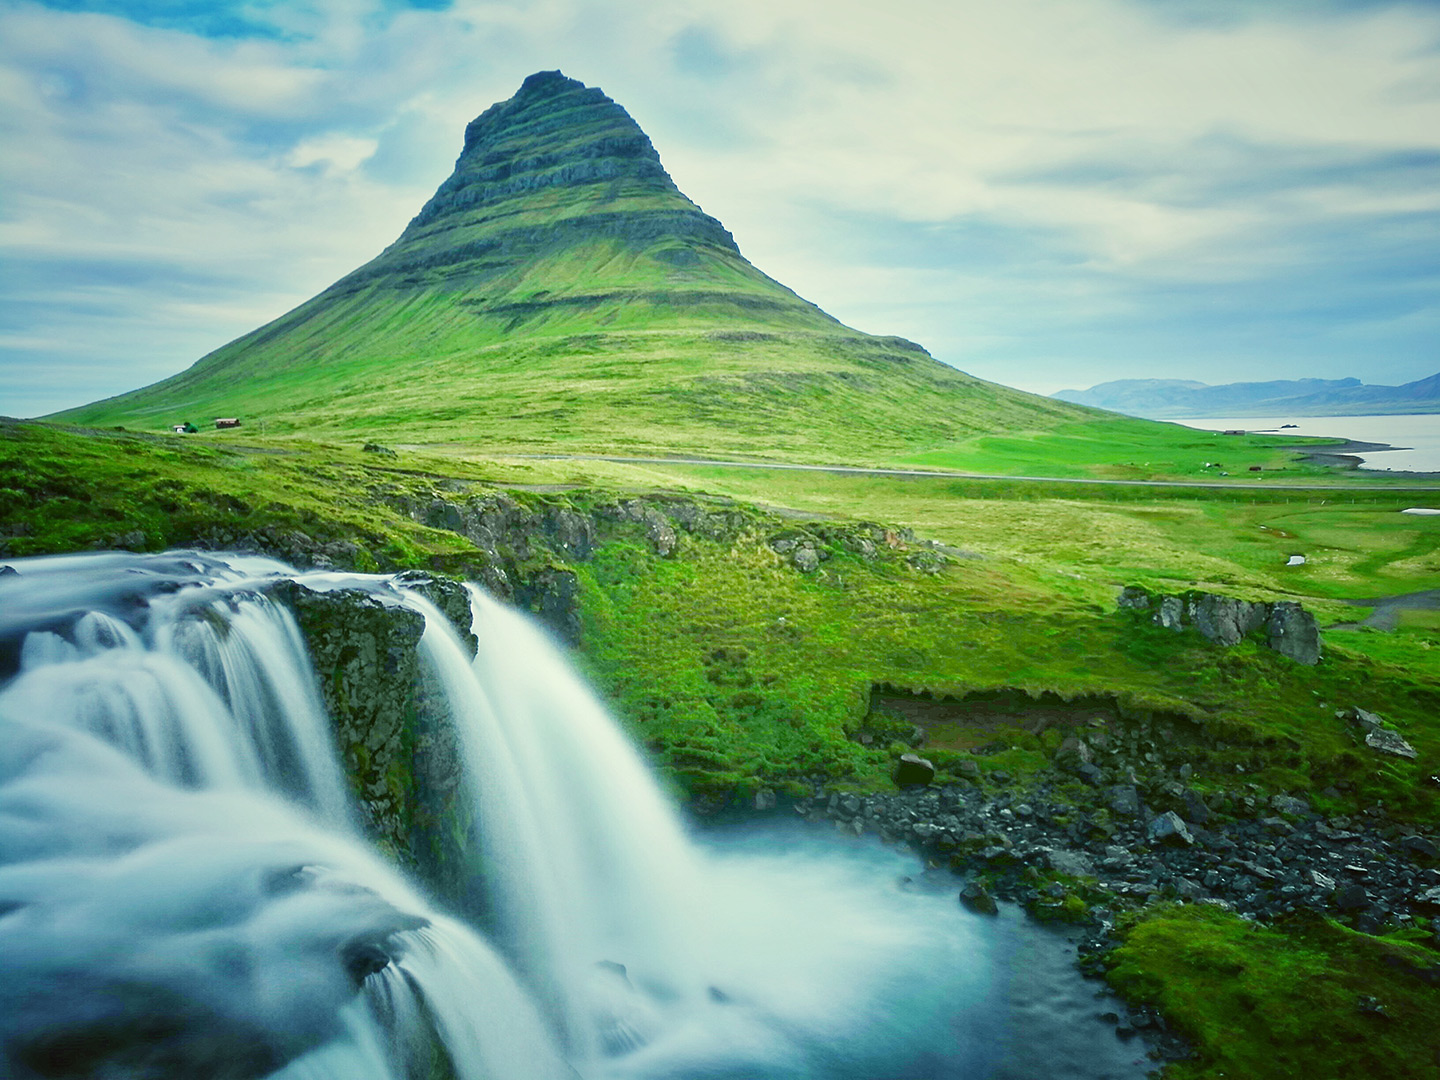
339	153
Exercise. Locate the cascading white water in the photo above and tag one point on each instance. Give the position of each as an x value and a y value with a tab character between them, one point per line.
183	892
588	869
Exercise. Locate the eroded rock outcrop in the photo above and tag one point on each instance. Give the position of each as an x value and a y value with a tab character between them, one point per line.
401	752
1226	620
366	655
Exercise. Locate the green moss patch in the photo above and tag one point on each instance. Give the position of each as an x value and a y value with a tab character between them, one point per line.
1303	1001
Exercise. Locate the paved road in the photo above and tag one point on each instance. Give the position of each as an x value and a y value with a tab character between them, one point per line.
857	470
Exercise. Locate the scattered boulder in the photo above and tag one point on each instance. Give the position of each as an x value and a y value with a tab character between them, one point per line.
1124	799
1224	619
1420	847
1293	632
1171	614
1352	898
862	546
1377	736
1196	811
376	448
1065	861
801	551
1134	597
1290	805
659	532
1168	828
1361	716
1073	753
926	562
913	771
1389	742
1371	1006
975	897
134	540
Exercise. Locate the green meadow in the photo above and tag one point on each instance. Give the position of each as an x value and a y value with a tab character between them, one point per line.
1022	593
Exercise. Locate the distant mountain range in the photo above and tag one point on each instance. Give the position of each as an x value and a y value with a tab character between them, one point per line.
1167	399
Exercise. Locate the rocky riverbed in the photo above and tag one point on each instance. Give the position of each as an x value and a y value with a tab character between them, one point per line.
1090	858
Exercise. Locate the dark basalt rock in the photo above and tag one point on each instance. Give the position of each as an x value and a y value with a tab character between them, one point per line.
1288	628
1292	632
1168	828
449	596
975	897
1352	898
1224	619
365	652
553	594
913	771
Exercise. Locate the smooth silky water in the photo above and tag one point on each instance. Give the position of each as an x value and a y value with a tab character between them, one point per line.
184	890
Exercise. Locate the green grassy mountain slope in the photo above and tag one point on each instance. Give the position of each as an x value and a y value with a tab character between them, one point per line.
560	292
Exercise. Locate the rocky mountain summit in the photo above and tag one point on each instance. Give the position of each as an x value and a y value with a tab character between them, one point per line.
558	164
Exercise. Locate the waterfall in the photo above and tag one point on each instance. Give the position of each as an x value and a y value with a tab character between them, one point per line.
182	889
186	890
588	869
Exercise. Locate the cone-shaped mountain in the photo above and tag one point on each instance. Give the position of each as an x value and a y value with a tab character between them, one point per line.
559	292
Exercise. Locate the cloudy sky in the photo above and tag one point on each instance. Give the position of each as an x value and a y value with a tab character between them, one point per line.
1048	193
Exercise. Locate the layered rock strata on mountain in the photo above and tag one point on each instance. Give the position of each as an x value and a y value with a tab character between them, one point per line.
557	164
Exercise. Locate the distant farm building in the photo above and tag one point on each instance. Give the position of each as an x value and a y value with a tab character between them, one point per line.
1233	431
228	421
186	428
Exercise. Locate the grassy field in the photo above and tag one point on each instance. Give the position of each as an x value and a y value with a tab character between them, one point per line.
1025	598
1356	541
1111	447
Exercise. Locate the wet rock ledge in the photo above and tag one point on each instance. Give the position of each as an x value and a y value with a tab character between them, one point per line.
401	753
